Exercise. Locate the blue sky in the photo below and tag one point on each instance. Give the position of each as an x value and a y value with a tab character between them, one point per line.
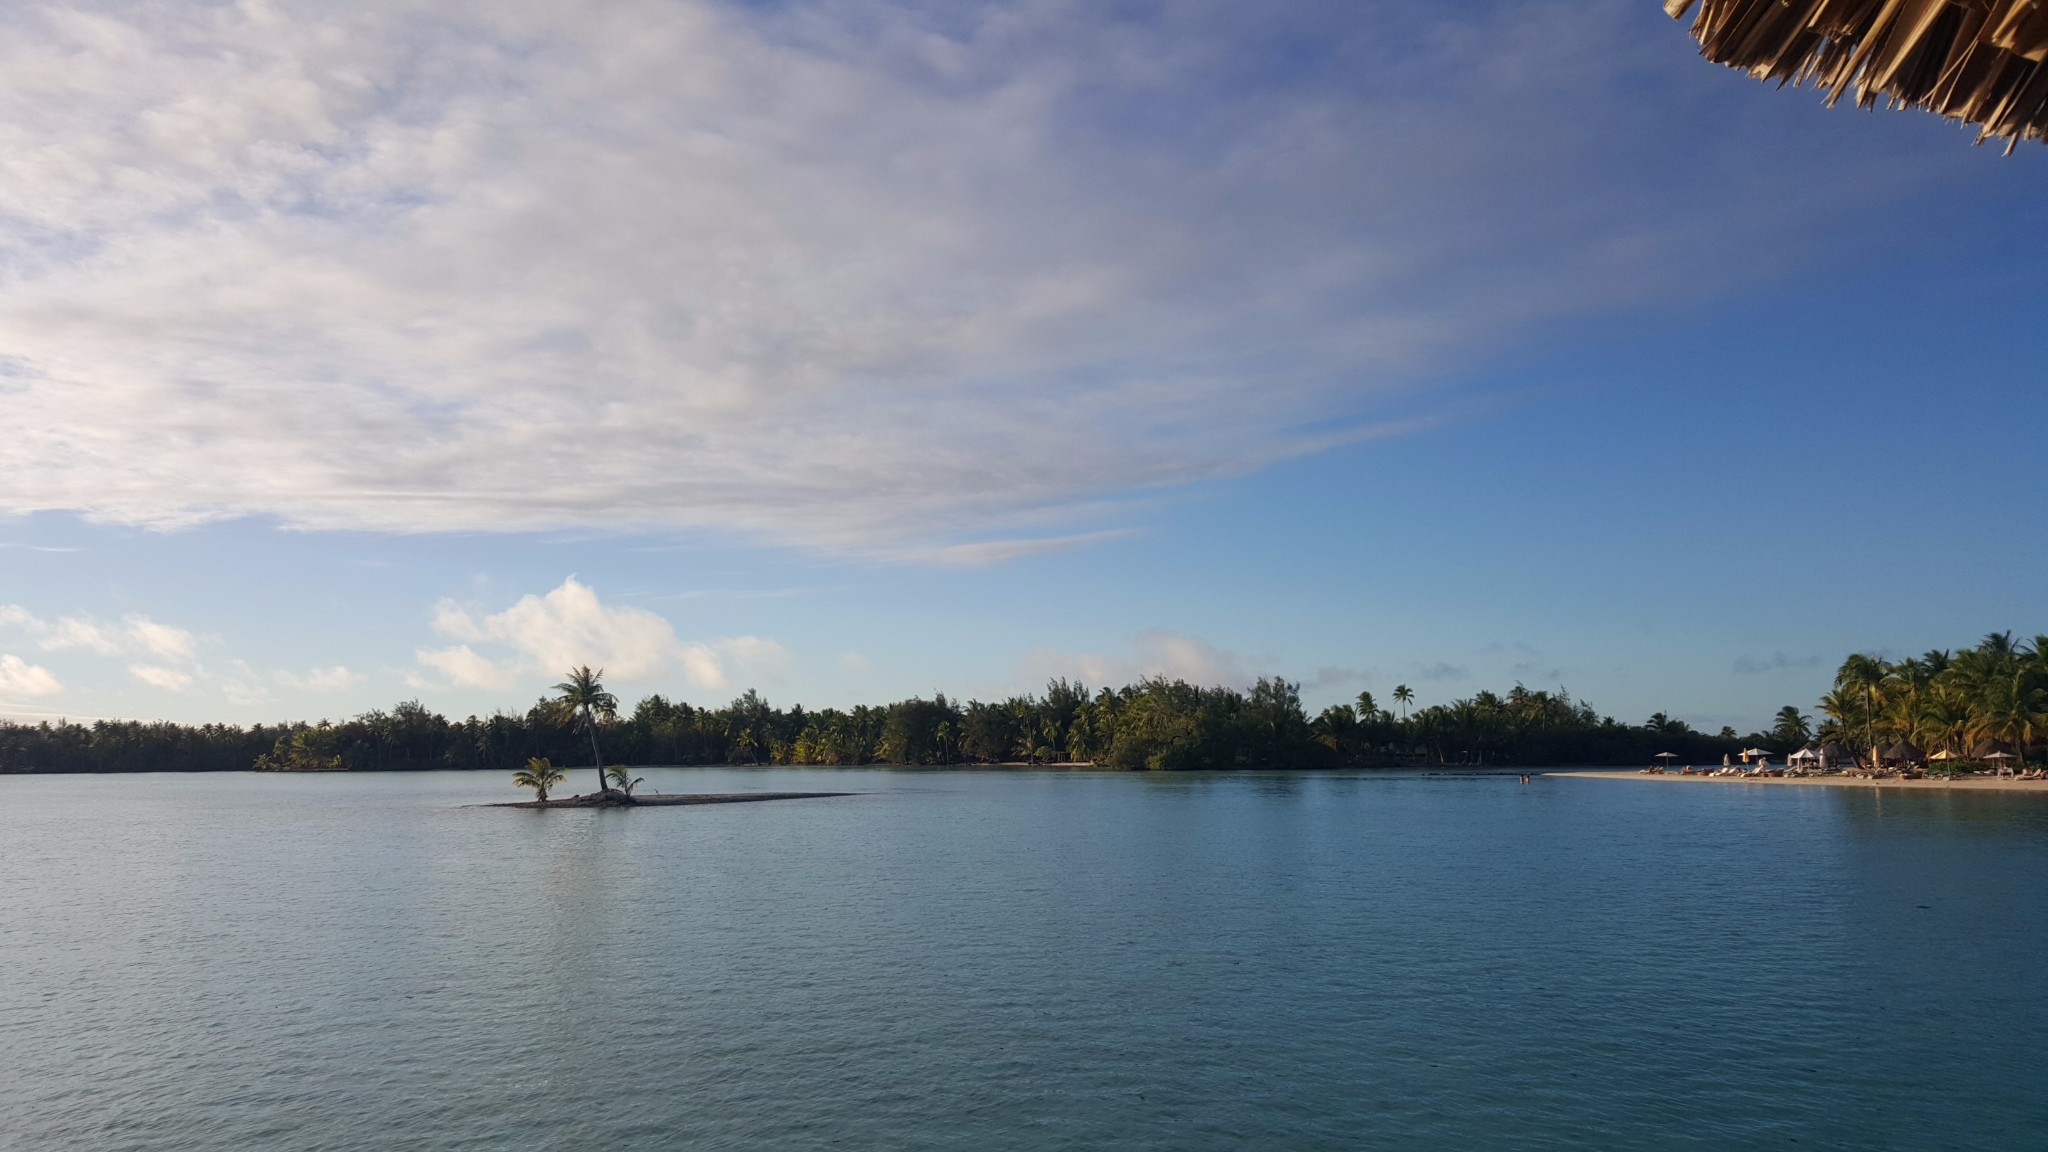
855	350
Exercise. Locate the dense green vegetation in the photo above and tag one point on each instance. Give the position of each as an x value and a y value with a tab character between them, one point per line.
1154	724
1981	700
1990	697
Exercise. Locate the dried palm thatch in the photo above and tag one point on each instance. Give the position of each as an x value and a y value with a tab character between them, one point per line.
1978	61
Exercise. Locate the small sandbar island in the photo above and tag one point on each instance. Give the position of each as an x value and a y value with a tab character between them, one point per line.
657	800
1889	783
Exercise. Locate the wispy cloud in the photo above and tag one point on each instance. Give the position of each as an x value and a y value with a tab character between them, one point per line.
135	635
1747	665
1154	652
858	275
978	553
335	679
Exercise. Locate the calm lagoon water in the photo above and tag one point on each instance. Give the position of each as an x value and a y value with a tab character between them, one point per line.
1020	960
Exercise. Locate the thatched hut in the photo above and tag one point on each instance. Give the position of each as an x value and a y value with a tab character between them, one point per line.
1833	755
1901	753
1977	61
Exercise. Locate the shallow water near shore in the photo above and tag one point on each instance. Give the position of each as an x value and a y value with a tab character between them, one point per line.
1019	960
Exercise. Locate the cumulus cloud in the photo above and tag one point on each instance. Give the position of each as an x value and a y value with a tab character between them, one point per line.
19	678
1154	652
546	635
849	273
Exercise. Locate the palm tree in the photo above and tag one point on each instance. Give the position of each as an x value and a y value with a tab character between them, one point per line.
1792	728
2011	710
1864	676
1404	696
623	780
582	697
540	775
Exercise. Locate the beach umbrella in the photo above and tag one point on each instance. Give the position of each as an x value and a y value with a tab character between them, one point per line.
1977	61
1944	754
1665	756
2000	756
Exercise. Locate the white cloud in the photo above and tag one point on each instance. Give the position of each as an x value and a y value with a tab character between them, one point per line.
854	274
570	627
464	668
72	632
160	655
1155	652
335	679
244	693
977	553
754	659
160	640
136	636
20	678
158	676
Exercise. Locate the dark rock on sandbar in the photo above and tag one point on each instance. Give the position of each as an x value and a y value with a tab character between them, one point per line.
660	800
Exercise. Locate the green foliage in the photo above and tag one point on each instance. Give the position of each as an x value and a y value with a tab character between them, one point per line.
540	775
1993	695
582	699
618	777
303	749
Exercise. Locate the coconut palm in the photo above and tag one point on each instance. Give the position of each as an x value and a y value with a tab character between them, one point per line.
1404	696
2010	710
540	775
623	780
582	698
1862	678
1791	728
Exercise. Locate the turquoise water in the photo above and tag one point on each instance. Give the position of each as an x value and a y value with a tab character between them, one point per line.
1020	960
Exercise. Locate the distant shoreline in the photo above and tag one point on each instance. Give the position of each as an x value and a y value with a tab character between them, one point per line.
1968	784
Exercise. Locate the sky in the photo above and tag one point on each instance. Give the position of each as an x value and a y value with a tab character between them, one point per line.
851	350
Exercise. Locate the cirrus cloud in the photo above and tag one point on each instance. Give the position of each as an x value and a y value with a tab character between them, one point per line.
930	282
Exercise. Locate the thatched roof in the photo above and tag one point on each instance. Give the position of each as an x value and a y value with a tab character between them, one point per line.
1978	61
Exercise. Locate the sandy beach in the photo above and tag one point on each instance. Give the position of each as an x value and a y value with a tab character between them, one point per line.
1968	784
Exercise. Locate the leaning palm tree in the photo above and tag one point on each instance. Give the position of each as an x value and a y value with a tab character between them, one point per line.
541	775
582	698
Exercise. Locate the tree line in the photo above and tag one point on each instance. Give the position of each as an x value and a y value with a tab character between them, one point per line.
1154	724
1970	703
